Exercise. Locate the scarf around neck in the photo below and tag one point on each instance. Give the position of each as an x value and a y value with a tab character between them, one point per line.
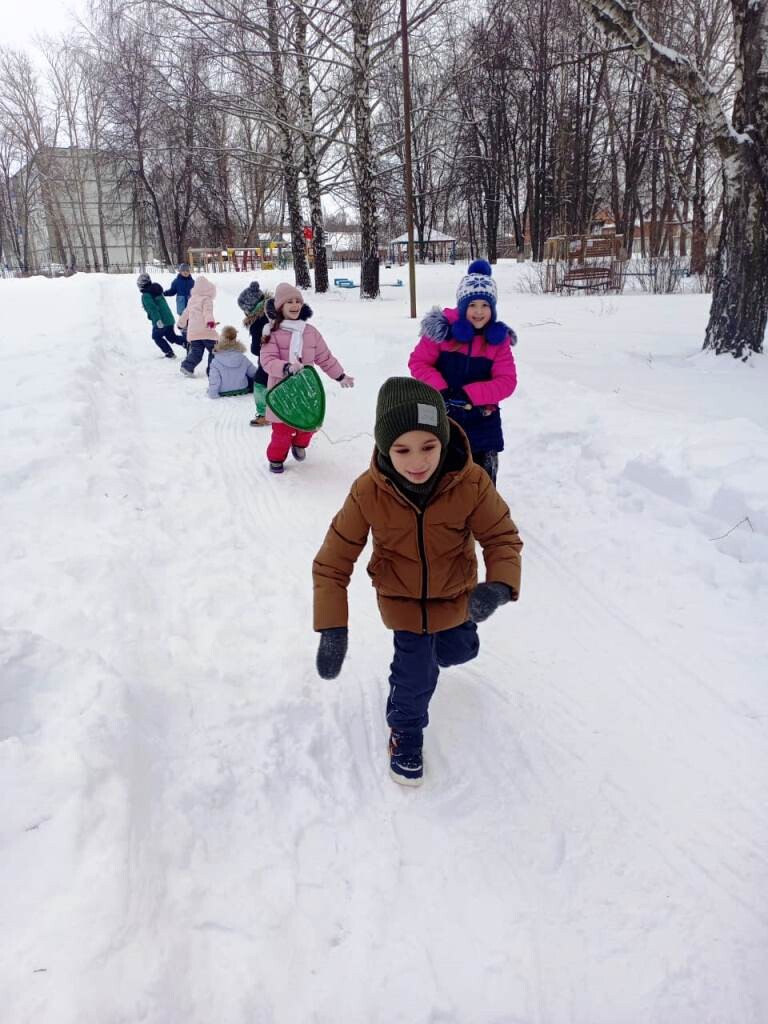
296	329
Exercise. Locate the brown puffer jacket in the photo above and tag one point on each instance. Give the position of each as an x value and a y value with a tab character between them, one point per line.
423	564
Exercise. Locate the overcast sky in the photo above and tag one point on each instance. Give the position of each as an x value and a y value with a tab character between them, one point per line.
23	18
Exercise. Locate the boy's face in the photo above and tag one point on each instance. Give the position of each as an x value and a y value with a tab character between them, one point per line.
478	314
416	455
185	273
292	308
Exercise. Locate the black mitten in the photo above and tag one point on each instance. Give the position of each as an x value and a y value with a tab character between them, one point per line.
486	598
331	652
456	400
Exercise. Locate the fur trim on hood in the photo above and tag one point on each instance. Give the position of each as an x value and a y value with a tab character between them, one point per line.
448	325
225	345
258	312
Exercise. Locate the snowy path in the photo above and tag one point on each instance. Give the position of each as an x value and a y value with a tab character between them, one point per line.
195	828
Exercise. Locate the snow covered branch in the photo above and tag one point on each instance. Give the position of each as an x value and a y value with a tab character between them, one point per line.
617	18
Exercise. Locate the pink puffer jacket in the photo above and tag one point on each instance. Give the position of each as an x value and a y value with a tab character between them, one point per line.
199	312
275	353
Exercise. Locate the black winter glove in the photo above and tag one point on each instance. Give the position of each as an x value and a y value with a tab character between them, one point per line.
456	400
331	652
486	598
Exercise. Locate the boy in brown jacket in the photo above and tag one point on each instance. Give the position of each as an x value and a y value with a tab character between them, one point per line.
426	503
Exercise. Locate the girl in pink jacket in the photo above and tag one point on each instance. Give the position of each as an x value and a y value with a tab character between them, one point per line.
200	323
291	344
466	354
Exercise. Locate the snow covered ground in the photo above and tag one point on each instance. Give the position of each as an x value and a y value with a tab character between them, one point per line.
194	828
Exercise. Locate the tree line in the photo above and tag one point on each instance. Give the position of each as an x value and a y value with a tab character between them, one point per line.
231	118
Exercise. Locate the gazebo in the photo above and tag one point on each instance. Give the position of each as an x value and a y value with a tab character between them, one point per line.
436	248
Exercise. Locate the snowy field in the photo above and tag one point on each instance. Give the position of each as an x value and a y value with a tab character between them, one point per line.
195	829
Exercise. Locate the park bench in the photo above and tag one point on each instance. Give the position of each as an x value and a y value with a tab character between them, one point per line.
588	278
584	263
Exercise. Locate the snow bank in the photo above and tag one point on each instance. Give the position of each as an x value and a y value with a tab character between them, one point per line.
194	827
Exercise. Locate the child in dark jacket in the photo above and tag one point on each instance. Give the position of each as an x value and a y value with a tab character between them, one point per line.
426	502
231	372
181	286
252	300
466	354
160	316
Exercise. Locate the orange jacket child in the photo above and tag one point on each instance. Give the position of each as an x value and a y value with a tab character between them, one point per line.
425	502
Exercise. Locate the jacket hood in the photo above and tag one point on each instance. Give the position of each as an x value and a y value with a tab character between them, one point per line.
448	325
230	357
222	345
204	287
457	464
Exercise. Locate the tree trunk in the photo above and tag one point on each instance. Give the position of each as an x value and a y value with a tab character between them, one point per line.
311	165
290	171
362	13
737	318
698	218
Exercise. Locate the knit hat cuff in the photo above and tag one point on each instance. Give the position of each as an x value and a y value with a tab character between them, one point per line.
405	404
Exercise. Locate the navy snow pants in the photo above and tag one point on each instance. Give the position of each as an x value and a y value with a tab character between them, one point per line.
162	335
416	666
195	354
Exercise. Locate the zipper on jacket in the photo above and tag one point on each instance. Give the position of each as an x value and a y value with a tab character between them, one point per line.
424	568
469	356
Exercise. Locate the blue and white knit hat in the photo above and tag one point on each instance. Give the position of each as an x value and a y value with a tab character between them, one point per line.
476	284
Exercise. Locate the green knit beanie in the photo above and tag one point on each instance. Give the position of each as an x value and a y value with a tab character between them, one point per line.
406	404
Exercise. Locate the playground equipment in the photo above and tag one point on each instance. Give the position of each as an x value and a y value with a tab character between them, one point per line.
238	258
344	282
588	263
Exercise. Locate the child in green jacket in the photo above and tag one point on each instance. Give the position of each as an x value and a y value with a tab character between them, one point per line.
160	315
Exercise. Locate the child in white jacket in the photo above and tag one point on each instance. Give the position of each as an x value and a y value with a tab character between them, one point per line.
200	323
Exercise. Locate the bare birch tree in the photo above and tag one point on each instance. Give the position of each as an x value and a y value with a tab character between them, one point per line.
739	309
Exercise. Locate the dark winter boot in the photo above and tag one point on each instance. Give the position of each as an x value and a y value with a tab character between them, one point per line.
406	765
276	467
298	453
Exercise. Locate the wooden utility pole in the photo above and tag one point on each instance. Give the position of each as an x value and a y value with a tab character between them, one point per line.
407	144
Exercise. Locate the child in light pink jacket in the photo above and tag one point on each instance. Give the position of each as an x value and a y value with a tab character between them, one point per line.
200	323
290	345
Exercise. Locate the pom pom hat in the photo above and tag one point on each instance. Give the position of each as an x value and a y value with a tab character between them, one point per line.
476	284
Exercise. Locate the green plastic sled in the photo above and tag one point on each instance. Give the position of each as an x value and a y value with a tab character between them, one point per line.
299	400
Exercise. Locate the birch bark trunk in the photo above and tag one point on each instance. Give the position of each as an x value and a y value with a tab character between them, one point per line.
362	16
290	170
311	164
